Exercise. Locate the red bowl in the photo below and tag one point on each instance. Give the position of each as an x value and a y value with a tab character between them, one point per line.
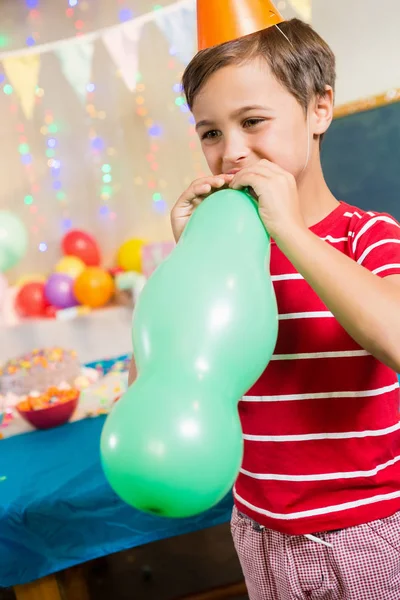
53	416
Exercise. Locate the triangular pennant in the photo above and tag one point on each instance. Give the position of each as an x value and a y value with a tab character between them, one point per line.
179	28
76	63
23	74
122	44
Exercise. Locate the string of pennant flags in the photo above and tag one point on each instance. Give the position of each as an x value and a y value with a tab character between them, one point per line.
177	22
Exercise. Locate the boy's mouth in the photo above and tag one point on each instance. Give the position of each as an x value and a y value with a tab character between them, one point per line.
233	172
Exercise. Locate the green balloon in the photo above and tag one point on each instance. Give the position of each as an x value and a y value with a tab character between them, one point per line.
13	240
204	330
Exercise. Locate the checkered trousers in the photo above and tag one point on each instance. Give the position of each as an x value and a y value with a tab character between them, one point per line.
363	563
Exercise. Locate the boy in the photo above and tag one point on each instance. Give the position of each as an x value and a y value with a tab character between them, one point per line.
317	499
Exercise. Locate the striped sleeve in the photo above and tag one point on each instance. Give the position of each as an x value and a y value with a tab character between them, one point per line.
376	244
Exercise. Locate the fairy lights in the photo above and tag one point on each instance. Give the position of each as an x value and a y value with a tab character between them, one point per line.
36	220
101	152
125	14
119	153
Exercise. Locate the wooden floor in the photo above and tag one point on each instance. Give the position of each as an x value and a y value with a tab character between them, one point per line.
199	566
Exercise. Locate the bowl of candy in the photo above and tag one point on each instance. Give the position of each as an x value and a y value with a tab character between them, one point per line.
51	409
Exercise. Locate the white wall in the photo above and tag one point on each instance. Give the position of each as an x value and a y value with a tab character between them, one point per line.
364	34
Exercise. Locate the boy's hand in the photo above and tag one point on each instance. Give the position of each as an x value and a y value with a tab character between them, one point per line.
192	197
276	192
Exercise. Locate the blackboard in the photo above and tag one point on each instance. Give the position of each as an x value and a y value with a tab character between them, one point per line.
361	159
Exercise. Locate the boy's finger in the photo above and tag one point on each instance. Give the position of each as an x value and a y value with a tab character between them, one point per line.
201	189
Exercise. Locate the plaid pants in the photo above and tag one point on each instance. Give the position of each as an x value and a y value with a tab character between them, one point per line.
362	564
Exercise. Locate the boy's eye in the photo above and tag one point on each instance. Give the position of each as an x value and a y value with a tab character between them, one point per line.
211	135
252	122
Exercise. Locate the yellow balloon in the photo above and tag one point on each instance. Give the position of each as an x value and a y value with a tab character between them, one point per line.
130	255
71	266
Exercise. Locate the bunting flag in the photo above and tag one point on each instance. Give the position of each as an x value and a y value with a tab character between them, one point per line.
76	64
23	74
303	9
179	28
177	22
122	44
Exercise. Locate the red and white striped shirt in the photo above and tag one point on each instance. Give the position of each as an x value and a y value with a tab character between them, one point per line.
321	426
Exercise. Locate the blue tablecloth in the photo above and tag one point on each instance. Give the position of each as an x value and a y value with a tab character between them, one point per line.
57	510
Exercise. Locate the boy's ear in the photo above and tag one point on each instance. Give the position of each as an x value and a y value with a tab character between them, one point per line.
323	112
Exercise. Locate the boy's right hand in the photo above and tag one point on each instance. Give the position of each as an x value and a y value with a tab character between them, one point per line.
192	197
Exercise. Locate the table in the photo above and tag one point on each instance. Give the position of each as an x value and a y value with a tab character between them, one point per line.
103	332
57	511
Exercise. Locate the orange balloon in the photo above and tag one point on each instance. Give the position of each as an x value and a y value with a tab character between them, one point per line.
94	287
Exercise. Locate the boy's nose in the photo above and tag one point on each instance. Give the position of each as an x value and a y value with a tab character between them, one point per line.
235	151
234	158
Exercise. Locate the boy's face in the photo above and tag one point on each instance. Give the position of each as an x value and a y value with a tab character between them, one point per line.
243	115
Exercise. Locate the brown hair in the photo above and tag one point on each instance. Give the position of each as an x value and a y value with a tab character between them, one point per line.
298	57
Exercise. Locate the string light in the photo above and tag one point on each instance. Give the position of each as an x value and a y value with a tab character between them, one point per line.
50	130
104	155
180	102
98	148
125	14
26	159
155	131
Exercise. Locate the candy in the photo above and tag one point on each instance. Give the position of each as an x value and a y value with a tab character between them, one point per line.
50	398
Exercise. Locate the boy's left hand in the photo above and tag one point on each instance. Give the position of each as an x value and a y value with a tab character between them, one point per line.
276	192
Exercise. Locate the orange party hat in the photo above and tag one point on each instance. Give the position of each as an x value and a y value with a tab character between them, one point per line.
220	21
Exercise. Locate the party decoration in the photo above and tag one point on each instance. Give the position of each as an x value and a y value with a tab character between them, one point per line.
50	312
59	291
130	255
23	74
13	240
31	300
82	245
180	30
76	64
154	254
94	287
71	266
204	329
122	44
222	21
